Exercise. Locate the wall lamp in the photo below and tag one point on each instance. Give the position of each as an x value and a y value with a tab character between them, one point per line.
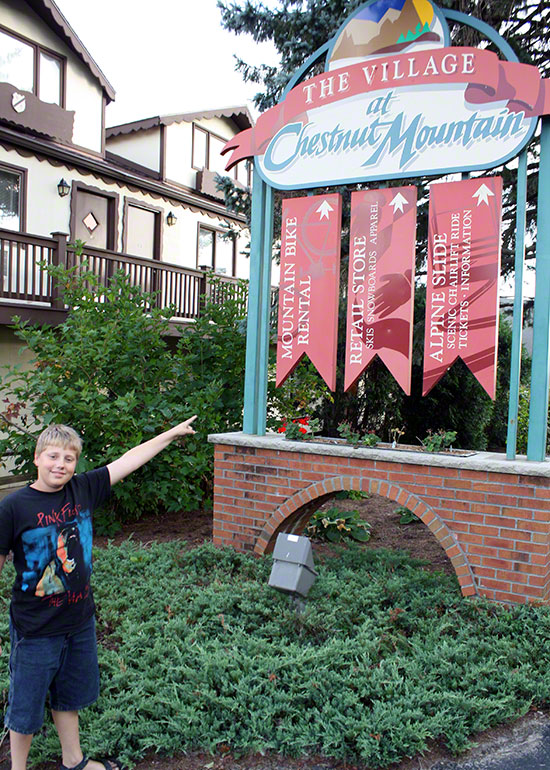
171	219
63	188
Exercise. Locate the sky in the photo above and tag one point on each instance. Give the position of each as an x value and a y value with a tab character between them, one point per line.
166	56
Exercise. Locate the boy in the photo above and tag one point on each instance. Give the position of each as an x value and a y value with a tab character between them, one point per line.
48	527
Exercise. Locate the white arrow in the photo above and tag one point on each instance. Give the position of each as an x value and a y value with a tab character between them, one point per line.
482	194
398	203
324	209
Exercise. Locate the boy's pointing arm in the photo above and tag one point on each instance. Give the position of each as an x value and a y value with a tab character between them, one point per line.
139	455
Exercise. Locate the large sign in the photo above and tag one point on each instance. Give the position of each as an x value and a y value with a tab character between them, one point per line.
381	282
462	285
309	283
395	101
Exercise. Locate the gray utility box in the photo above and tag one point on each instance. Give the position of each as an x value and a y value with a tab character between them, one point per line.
293	571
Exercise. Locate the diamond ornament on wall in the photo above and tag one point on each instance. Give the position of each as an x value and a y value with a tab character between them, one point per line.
90	222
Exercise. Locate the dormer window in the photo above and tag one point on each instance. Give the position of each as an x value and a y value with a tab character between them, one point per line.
30	67
200	148
207	149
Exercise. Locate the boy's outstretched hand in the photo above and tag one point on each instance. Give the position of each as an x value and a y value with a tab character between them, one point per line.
184	428
141	454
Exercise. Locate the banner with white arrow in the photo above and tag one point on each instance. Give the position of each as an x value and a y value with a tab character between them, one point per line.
381	282
309	284
464	247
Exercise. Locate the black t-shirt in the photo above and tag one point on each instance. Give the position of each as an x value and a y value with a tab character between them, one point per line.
50	534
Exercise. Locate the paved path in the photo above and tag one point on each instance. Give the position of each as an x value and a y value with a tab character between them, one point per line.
524	746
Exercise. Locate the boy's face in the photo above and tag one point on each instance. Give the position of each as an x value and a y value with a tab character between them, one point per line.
56	466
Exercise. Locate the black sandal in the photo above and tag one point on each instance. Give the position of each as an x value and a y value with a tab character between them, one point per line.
105	762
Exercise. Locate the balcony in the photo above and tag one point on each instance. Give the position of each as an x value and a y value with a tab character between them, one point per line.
27	290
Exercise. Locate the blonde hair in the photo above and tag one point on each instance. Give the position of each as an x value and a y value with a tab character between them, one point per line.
59	435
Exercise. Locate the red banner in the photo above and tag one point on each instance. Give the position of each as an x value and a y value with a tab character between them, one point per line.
309	283
488	79
381	282
463	273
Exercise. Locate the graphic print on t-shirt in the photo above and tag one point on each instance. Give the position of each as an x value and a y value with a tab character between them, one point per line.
58	558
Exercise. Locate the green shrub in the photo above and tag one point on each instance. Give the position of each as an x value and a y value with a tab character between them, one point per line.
406	516
110	372
335	525
523	421
437	442
354	438
351	494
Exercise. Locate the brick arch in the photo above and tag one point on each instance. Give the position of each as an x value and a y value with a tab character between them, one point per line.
293	514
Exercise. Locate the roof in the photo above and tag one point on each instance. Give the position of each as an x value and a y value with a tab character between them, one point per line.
241	115
50	14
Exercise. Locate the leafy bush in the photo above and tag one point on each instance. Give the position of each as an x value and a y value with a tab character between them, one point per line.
335	525
356	439
523	421
437	442
110	372
301	392
406	516
198	651
497	428
351	494
295	430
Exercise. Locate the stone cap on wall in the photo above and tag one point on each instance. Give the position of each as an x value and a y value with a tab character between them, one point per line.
476	461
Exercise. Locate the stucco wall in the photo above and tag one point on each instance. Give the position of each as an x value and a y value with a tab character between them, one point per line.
142	147
46	211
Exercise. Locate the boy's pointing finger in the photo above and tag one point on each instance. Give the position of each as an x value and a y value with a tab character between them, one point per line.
187	424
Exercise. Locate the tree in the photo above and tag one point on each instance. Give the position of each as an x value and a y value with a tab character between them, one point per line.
298	28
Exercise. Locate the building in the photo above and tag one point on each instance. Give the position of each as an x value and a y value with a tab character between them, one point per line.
141	195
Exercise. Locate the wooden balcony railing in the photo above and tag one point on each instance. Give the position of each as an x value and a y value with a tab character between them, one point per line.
23	279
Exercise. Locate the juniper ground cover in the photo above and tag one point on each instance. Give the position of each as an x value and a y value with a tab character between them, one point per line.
198	652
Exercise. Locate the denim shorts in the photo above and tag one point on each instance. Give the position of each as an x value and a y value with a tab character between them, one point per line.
65	666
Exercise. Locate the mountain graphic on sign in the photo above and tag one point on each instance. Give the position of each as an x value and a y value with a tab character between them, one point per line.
385	27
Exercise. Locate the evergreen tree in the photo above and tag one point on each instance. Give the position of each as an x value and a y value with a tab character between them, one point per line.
298	28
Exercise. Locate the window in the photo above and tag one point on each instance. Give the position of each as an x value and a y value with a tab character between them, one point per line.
216	251
242	172
200	148
11	198
205	257
16	62
217	160
29	67
207	148
50	78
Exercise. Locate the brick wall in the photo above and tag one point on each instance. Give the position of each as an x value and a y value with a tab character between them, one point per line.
490	515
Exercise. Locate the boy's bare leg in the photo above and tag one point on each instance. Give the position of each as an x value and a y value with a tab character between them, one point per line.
19	748
66	723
